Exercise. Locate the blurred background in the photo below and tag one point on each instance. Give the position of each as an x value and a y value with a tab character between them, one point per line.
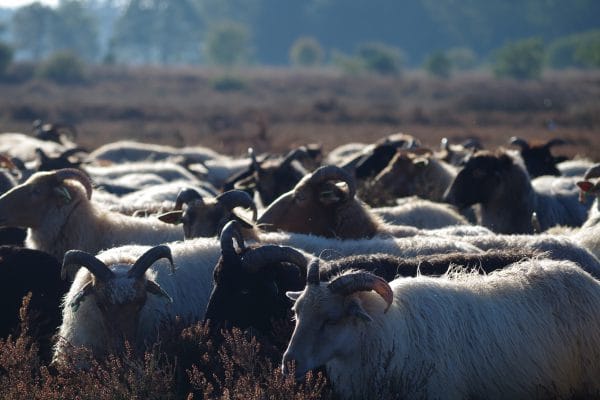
278	73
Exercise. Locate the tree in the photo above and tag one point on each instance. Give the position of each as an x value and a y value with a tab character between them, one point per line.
438	64
307	52
75	30
228	44
380	58
522	59
6	56
32	30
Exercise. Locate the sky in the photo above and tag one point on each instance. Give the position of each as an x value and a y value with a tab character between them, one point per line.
19	3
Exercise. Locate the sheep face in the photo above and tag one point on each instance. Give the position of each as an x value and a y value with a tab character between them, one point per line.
119	292
245	298
249	284
27	205
398	178
480	178
537	156
307	209
326	328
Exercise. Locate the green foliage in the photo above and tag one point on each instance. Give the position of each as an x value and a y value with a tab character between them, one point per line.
32	30
522	59
75	30
63	67
461	58
6	57
438	64
380	58
228	44
579	50
306	52
228	83
347	64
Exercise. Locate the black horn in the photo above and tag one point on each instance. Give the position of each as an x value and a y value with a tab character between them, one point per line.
232	230
333	172
185	196
255	259
362	281
94	265
517	141
146	260
237	198
77	175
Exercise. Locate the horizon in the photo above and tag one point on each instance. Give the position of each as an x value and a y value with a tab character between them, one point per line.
20	3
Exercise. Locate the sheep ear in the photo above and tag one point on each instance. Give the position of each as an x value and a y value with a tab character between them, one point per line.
354	309
171	217
80	296
293	295
152	287
421	162
585	186
63	193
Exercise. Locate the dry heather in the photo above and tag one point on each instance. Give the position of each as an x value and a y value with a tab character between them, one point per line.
274	109
185	365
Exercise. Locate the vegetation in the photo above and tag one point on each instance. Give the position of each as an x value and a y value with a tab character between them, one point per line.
306	52
227	44
63	67
578	50
438	64
522	59
6	57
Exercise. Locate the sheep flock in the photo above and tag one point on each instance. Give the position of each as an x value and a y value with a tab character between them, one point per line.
371	271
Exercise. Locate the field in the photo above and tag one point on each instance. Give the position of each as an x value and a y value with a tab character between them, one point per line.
270	110
276	109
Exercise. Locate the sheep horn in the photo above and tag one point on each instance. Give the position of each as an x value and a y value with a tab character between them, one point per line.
69	152
148	258
237	198
362	281
254	163
185	196
253	260
94	265
517	141
592	172
230	231
294	155
312	275
75	174
333	172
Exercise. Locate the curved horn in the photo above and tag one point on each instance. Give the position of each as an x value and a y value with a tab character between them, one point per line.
85	259
150	257
231	230
312	275
78	175
294	155
237	198
333	172
362	281
185	196
592	172
69	152
517	141
253	260
556	142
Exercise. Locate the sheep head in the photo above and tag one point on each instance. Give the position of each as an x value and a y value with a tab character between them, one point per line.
479	179
587	187
26	205
249	283
399	178
119	291
537	156
322	203
207	217
328	314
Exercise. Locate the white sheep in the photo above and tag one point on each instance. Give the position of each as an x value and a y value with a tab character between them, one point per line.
130	151
56	208
127	293
527	331
421	213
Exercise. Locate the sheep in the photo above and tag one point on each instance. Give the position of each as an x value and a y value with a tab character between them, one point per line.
500	183
319	206
24	147
414	173
207	217
575	167
126	151
537	156
420	213
126	293
166	170
24	271
456	154
249	284
56	209
527	331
